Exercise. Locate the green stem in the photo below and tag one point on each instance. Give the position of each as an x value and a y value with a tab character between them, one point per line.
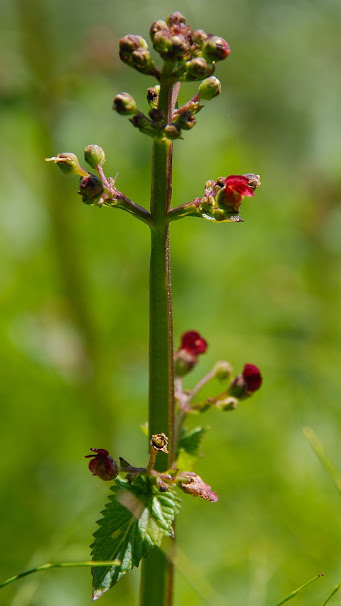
157	571
49	565
299	589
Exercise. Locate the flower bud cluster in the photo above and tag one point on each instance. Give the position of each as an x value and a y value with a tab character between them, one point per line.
134	52
193	52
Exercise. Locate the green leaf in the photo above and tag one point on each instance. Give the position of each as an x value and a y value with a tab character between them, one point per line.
135	519
189	446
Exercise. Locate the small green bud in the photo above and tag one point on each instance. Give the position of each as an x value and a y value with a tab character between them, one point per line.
124	104
223	370
198	69
229	403
128	44
91	189
94	155
68	164
172	131
207	203
162	43
209	88
145	125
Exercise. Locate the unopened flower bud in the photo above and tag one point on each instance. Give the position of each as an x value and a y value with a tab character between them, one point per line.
91	189
128	44
102	464
159	442
215	49
198	69
124	104
158	26
68	164
193	484
199	36
223	370
186	120
153	96
209	88
156	115
180	47
145	125
172	131
175	18
245	384
94	155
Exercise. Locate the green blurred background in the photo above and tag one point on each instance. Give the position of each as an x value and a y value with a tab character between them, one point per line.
74	295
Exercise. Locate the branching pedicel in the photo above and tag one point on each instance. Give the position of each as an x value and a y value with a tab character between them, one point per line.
143	503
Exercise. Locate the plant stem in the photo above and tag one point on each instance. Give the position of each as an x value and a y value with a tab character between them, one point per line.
157	571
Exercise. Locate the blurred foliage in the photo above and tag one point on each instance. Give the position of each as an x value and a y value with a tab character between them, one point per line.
74	296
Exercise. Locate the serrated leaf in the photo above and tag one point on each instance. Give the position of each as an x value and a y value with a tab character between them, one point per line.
134	520
189	446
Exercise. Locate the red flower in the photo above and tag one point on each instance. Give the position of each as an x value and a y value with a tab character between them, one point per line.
235	189
252	377
245	384
193	343
102	464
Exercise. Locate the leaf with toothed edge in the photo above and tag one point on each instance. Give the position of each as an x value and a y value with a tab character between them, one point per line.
134	520
189	447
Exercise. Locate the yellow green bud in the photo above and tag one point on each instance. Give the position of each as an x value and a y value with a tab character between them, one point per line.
94	155
68	164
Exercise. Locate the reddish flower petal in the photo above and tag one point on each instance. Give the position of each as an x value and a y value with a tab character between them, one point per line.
252	377
238	184
102	464
193	343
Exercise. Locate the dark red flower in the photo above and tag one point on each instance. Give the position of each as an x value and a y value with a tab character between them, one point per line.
102	464
252	377
245	384
193	343
235	189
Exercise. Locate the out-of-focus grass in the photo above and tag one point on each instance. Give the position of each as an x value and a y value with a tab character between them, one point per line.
74	294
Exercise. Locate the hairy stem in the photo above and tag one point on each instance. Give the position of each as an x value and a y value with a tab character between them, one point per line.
157	572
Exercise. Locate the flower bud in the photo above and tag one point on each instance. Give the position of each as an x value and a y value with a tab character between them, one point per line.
158	26
193	484
172	131
142	62
159	442
153	96
68	164
245	384
124	104
215	49
156	115
209	88
128	44
94	155
199	36
102	464
223	370
145	125
91	189
185	120
175	18
198	69
162	43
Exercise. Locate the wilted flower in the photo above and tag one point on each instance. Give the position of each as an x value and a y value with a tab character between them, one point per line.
102	464
193	484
